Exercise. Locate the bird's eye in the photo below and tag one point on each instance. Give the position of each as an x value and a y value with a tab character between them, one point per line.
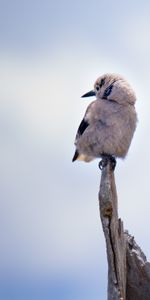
97	88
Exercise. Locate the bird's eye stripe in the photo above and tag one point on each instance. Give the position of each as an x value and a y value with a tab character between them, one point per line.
108	91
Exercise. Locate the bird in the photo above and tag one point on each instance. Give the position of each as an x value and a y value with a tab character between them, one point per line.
109	123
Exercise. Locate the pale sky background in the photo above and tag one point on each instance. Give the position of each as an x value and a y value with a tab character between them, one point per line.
51	52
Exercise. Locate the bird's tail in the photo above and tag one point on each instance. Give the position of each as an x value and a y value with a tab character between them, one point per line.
75	156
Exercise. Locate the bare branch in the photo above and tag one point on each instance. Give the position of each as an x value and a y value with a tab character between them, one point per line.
128	270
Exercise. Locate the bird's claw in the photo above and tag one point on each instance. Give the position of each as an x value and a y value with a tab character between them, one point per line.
103	163
105	159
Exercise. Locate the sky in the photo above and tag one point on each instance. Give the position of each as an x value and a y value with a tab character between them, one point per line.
51	52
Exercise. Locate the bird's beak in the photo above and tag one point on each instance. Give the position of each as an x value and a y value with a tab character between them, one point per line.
89	94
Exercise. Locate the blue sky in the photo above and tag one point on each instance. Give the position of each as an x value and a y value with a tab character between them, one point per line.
51	52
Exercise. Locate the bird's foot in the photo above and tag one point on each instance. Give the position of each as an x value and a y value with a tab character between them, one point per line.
113	162
103	163
105	159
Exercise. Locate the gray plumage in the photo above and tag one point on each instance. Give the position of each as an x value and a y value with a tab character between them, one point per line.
109	122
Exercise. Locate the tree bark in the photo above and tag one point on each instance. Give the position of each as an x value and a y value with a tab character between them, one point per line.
128	269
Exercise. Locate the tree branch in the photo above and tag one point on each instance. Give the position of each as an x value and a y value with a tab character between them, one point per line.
128	270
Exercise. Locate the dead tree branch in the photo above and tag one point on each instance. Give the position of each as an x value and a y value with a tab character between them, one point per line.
128	270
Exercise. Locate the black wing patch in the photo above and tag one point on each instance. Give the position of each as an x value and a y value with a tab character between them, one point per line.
83	125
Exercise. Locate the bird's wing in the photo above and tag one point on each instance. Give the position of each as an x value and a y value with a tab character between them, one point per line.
82	127
83	134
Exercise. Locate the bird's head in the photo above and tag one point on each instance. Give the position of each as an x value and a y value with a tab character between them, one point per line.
113	87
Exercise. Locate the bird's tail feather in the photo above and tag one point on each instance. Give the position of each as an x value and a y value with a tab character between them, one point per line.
75	155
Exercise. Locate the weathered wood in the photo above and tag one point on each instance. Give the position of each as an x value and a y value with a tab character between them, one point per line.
138	272
114	235
128	269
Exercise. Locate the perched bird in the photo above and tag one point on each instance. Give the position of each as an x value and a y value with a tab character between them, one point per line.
109	122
